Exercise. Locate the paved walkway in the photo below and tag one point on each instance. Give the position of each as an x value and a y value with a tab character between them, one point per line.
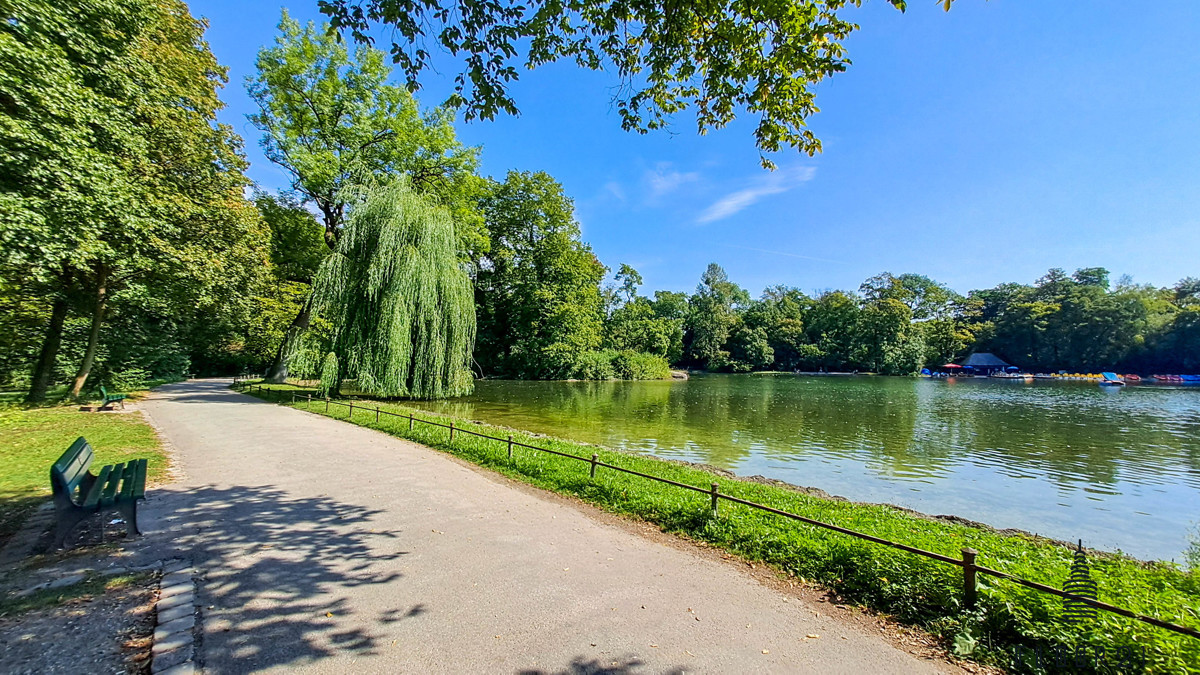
326	547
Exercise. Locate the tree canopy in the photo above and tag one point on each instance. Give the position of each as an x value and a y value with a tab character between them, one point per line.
397	299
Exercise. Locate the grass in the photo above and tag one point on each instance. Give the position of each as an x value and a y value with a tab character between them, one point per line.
31	439
53	597
1007	620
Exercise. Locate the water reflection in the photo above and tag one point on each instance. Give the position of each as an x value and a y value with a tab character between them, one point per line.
1119	469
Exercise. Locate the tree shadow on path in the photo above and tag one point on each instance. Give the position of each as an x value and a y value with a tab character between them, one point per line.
277	573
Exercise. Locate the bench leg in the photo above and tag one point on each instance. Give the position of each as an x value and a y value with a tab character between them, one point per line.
67	520
129	513
122	404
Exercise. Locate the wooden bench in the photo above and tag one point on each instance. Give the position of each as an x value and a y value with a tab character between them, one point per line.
111	398
78	493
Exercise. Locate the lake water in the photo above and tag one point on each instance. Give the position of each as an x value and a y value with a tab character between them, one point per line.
1118	468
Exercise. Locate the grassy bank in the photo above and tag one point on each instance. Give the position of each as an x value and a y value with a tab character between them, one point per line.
1008	625
31	439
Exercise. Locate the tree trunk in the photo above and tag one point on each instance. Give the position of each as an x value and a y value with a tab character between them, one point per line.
43	370
279	370
89	357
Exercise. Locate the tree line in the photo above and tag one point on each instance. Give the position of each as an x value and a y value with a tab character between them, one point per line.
897	325
130	250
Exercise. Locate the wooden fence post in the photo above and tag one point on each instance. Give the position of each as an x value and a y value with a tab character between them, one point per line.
326	404
376	414
410	421
350	415
510	446
308	403
594	465
716	494
452	433
969	592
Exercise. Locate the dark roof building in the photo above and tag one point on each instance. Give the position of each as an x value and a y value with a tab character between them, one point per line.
985	362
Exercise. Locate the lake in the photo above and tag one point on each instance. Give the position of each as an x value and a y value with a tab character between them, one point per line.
1118	468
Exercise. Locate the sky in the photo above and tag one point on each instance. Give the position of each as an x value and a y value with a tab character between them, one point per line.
978	146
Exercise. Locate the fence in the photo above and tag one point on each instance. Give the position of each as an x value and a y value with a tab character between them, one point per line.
970	568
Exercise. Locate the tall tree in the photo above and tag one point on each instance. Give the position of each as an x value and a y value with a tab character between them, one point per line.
718	58
332	121
399	302
538	287
117	181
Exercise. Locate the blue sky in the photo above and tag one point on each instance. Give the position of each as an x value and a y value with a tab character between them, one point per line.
978	146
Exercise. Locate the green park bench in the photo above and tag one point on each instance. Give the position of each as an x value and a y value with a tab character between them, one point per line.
78	493
111	398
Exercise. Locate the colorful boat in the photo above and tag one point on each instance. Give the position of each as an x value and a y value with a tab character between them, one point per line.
1111	380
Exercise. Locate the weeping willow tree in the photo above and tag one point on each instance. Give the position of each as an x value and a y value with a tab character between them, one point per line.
400	306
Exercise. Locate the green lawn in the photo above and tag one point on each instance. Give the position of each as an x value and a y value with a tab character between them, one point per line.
31	439
914	589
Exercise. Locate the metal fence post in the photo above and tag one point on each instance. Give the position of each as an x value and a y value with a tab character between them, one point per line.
452	433
969	592
308	404
326	404
716	494
410	421
376	414
510	446
350	415
594	465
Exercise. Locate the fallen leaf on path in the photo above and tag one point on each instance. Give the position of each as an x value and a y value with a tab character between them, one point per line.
655	646
329	614
812	636
766	651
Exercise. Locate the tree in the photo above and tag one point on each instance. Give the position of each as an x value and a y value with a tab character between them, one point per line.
712	317
398	301
538	287
118	184
332	121
717	58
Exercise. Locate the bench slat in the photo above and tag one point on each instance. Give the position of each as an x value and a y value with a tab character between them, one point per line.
127	482
110	490
139	480
93	495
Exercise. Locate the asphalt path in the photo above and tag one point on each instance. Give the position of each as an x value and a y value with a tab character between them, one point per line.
329	548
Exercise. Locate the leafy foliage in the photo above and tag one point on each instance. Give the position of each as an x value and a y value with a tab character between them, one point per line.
400	305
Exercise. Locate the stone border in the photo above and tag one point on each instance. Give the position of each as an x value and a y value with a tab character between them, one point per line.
174	649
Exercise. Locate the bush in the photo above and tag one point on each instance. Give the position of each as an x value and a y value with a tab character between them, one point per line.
593	366
631	365
129	379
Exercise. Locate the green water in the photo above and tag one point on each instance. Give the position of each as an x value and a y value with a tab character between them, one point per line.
1118	468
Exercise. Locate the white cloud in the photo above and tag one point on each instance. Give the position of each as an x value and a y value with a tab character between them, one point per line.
664	179
614	188
764	185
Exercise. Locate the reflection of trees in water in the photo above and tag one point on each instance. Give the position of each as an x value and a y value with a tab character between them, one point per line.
1071	435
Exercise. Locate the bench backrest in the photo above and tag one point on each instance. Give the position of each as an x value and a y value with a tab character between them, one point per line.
71	468
103	391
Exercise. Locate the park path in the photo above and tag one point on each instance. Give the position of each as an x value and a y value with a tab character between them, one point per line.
326	547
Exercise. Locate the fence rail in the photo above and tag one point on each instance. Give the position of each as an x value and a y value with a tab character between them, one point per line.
969	567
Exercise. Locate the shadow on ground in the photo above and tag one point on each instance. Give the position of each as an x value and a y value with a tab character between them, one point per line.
275	571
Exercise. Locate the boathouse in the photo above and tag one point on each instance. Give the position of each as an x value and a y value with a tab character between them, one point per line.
985	363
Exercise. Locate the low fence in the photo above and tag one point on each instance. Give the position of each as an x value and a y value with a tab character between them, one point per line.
970	568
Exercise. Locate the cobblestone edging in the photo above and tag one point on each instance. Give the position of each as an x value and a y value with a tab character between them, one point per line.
174	649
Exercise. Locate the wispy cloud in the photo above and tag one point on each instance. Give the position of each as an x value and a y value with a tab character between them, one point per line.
614	189
764	185
664	179
785	253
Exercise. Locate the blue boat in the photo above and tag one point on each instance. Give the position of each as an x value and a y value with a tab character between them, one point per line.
1111	380
1193	379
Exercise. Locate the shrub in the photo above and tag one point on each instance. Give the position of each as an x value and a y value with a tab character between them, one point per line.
631	365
